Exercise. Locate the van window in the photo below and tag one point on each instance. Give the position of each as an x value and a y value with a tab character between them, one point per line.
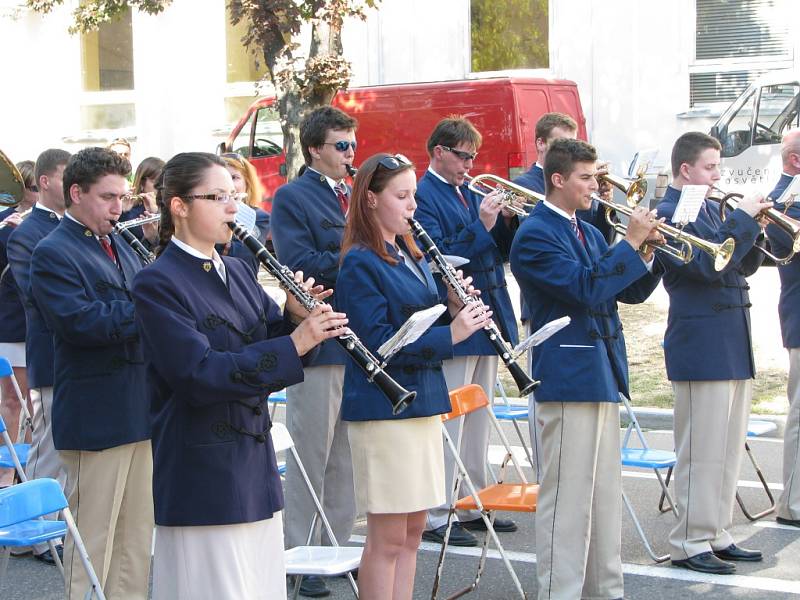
269	137
777	112
735	135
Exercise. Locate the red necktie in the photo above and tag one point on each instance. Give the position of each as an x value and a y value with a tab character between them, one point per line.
341	194
461	197
574	222
107	248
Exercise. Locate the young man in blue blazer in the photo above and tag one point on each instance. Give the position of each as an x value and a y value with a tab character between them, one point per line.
565	268
308	217
789	503
80	278
709	360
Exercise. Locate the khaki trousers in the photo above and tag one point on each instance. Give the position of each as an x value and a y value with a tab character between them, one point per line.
313	418
112	503
789	502
579	512
43	458
710	430
475	427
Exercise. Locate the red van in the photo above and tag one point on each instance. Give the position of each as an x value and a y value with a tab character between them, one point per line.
399	118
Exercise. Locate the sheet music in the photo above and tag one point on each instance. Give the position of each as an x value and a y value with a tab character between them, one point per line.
791	193
411	330
452	260
689	204
641	162
541	334
246	217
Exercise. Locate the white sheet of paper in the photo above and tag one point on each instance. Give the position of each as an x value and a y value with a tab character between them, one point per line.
246	217
689	204
641	162
791	193
452	260
541	334
411	330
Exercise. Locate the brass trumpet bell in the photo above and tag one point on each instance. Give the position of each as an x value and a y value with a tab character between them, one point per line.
12	186
634	189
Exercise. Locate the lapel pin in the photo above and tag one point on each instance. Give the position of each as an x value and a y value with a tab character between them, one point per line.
87	232
207	266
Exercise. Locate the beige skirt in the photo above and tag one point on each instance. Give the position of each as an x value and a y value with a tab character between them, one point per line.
398	465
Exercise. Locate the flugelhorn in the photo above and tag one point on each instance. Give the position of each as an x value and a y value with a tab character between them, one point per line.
785	223
517	199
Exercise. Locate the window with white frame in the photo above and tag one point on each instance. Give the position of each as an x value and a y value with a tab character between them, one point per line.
736	41
243	70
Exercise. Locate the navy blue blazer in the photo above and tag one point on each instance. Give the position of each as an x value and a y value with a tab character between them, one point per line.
38	337
708	326
307	228
458	230
559	276
239	250
12	315
378	298
789	274
214	352
99	395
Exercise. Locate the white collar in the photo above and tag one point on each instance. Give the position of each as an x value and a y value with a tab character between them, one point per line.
41	206
71	218
439	177
192	251
558	210
331	182
536	164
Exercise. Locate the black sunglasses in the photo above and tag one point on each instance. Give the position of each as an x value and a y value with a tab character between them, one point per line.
393	162
460	153
342	145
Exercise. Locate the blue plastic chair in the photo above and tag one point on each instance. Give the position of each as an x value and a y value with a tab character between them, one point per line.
276	398
505	411
6	456
21	509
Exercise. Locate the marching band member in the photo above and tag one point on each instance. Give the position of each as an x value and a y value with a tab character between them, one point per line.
789	502
460	222
43	458
709	360
397	460
216	346
308	218
565	267
144	184
101	424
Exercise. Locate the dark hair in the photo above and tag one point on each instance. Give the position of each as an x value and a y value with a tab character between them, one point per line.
688	147
453	131
149	169
48	161
180	175
549	121
362	227
562	156
26	169
90	164
315	126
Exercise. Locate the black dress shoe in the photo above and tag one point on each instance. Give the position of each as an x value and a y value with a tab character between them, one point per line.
313	586
706	562
792	522
733	552
500	525
47	557
458	535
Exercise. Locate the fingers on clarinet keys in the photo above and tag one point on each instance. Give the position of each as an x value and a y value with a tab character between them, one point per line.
706	562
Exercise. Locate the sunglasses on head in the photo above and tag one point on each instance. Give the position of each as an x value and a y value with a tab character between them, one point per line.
234	156
460	153
342	145
393	162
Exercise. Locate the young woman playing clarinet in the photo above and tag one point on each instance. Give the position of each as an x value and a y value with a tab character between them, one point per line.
397	460
216	346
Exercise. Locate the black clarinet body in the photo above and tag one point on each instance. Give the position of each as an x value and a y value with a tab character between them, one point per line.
138	247
524	383
399	397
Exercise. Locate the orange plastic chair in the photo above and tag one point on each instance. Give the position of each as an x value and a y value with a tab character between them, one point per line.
519	496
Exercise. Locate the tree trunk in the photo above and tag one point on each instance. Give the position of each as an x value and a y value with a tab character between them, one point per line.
290	109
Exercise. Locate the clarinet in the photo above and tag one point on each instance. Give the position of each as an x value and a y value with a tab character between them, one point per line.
399	397
145	254
525	384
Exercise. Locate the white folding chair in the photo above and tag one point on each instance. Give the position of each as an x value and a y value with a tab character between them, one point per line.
325	561
505	411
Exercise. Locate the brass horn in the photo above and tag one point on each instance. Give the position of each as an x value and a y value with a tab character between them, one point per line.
12	186
634	189
785	223
517	199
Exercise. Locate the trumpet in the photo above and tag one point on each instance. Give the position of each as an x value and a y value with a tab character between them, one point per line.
517	199
788	225
137	222
634	192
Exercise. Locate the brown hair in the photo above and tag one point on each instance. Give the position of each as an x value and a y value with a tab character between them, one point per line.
362	227
314	127
255	191
453	131
149	169
26	169
549	121
562	156
688	147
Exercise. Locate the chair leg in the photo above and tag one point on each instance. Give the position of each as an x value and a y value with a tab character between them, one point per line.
440	565
765	485
640	531
54	552
353	585
96	589
663	494
5	552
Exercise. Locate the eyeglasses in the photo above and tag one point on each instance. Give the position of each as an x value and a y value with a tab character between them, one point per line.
393	162
342	145
220	198
460	153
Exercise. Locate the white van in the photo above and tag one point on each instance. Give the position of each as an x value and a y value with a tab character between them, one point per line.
751	128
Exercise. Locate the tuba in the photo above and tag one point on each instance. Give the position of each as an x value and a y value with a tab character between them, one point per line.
12	186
